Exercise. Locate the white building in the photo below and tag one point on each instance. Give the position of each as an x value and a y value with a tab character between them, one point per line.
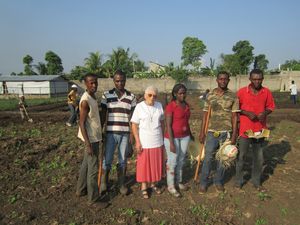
51	85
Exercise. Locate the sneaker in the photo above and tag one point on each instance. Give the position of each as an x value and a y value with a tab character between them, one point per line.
220	188
182	187
202	189
174	192
68	124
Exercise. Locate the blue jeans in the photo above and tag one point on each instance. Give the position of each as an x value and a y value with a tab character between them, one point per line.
176	161
294	98
112	140
212	144
73	116
258	159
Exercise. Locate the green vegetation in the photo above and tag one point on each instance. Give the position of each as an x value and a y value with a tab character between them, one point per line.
202	211
283	211
260	221
128	211
193	49
12	103
12	199
263	196
291	65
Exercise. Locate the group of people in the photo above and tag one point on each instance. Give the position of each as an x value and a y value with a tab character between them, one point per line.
157	133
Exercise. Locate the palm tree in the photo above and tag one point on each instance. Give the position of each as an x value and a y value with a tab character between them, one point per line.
41	68
94	63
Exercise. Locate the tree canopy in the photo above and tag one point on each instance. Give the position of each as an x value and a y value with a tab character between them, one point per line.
244	53
27	60
230	63
261	62
192	51
54	63
93	63
291	65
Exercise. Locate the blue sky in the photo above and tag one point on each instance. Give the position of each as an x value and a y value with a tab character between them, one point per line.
152	29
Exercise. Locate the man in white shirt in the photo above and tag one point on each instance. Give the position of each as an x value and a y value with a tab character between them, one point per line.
293	89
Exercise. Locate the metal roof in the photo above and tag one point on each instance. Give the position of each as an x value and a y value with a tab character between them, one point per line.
30	78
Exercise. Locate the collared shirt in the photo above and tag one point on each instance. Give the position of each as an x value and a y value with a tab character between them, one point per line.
119	110
256	103
222	108
180	119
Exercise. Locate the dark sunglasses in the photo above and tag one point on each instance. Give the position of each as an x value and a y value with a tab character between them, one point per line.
152	95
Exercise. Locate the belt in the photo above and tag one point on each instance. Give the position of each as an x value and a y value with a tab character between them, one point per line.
218	133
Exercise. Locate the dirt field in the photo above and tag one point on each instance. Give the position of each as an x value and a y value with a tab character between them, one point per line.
39	165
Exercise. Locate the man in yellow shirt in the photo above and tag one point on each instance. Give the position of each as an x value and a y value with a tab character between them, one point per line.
73	105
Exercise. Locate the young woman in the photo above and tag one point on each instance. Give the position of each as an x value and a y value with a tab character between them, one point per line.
177	137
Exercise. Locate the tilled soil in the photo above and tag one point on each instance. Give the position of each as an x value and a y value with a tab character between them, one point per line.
39	165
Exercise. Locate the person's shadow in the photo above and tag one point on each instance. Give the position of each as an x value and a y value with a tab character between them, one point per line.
273	155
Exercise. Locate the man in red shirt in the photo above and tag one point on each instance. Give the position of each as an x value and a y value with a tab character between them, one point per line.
256	103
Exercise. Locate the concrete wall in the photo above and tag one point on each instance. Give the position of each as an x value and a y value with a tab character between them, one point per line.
273	82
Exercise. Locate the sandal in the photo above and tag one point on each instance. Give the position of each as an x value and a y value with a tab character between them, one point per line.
156	189
145	194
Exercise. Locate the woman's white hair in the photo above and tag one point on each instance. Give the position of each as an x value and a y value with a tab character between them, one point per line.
151	89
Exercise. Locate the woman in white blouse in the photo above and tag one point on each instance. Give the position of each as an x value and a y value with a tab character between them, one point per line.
147	127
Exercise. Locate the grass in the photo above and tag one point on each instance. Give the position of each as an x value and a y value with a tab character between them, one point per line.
12	103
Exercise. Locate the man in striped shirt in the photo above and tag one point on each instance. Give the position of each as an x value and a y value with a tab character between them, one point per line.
117	107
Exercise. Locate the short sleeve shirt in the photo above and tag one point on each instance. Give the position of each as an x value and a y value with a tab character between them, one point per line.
149	120
222	108
180	119
119	110
256	103
293	88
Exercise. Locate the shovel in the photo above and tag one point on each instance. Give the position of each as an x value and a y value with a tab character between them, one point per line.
26	113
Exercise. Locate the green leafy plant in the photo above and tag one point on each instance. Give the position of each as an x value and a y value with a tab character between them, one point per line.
200	210
260	221
163	222
263	196
128	211
34	133
13	198
283	211
222	195
1	132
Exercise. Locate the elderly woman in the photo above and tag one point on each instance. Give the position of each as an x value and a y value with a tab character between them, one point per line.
177	137
147	127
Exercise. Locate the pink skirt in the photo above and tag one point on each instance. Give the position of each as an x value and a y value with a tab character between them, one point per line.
149	165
